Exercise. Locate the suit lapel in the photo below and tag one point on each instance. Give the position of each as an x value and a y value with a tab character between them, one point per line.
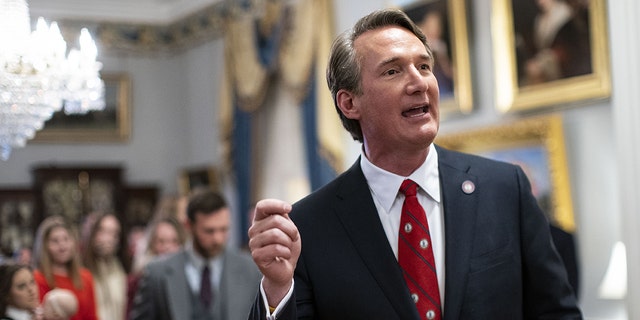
358	214
459	216
232	283
177	287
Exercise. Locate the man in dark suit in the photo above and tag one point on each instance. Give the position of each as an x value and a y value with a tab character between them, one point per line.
337	254
178	287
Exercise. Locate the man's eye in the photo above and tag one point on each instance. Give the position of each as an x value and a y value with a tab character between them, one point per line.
391	72
425	66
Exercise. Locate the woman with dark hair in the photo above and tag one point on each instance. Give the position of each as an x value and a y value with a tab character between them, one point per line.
100	243
18	293
58	265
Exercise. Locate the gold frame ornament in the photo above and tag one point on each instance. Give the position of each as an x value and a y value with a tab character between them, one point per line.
514	94
113	124
543	136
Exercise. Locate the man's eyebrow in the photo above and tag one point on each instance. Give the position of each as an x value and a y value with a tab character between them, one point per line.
383	63
427	56
388	61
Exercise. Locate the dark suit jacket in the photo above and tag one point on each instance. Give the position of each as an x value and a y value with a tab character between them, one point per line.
566	246
500	263
164	294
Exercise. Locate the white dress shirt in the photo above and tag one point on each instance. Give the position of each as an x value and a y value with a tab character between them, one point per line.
193	270
385	187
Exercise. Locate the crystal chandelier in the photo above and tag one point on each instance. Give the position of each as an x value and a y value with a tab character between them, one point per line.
38	78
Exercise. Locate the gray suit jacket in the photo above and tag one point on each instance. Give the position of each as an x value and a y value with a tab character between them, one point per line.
500	261
164	294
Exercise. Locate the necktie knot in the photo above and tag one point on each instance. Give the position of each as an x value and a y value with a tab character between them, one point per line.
409	188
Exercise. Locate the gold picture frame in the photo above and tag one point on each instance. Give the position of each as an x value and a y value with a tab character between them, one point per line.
113	124
537	145
453	70
529	67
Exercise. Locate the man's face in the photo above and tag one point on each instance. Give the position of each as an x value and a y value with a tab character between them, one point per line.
210	232
398	108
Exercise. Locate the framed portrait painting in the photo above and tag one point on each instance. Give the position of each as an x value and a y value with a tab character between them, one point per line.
537	146
444	22
549	53
109	125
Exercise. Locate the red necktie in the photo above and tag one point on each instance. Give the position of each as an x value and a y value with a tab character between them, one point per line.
415	255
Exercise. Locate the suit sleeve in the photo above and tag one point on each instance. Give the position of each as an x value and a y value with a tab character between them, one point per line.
547	292
149	302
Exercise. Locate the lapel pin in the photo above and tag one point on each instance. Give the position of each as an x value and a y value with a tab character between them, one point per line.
468	187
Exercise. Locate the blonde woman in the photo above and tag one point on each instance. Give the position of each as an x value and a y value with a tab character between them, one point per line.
58	265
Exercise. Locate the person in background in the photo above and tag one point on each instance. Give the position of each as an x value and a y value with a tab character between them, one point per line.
101	241
58	265
18	293
173	206
134	238
23	255
205	279
164	236
411	230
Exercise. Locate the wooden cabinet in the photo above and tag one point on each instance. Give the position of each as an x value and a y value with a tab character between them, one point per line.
73	192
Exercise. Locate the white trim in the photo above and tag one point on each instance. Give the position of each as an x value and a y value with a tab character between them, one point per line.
153	12
626	116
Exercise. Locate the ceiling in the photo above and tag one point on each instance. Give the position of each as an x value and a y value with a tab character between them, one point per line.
155	12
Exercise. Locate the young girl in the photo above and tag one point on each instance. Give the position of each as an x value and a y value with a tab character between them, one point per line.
18	293
58	265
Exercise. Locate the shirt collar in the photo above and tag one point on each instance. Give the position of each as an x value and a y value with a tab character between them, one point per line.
384	185
18	314
198	261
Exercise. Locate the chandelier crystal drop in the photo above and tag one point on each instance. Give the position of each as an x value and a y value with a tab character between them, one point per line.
38	78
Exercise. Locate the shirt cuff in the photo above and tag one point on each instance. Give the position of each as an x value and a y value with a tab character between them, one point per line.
280	306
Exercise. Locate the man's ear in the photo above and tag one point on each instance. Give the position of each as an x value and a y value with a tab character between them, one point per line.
346	104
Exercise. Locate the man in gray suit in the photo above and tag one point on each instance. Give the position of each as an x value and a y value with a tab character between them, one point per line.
205	280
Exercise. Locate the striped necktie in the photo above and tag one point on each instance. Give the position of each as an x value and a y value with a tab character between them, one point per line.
415	255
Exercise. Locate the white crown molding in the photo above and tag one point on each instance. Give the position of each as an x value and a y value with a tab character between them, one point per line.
154	12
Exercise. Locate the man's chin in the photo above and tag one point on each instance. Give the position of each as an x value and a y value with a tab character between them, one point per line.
213	252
